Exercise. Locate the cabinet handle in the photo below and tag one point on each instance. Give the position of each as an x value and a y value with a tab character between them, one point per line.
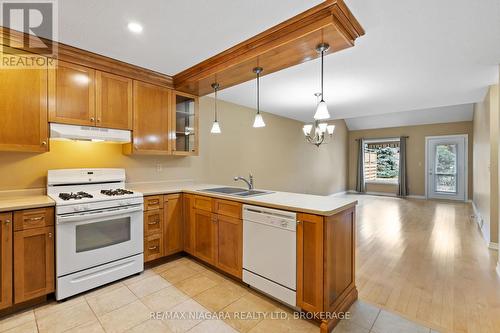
153	223
7	222
50	235
298	222
44	143
92	119
152	248
98	120
35	219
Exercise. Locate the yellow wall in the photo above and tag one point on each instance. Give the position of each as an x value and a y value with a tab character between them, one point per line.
415	153
486	187
277	155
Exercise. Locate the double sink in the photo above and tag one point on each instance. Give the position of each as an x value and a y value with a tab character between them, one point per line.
236	191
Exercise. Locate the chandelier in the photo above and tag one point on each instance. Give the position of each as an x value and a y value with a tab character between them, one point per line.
319	132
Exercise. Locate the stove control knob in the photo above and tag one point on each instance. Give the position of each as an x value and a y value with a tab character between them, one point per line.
86	207
78	208
122	203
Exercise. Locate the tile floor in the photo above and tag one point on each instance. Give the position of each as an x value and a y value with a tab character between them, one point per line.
185	287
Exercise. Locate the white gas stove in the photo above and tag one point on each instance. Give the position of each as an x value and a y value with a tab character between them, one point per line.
99	228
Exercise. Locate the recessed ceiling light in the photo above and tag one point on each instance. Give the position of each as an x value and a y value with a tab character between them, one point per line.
135	27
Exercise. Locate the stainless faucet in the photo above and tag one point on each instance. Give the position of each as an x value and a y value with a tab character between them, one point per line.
249	182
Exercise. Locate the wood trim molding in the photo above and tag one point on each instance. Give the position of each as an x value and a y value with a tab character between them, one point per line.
14	38
330	21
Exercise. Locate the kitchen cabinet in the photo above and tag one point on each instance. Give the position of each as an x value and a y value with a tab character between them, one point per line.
173	238
113	101
6	260
326	263
188	219
230	245
151	112
23	107
184	120
310	262
72	94
215	229
153	227
153	247
33	263
83	96
205	236
153	222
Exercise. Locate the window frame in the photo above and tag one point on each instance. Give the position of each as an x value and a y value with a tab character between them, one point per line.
379	182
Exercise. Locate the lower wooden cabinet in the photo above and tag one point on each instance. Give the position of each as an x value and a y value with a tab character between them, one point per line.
310	262
230	245
153	247
6	260
205	236
33	263
173	240
188	219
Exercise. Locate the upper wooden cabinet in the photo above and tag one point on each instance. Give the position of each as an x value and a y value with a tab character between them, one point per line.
5	260
83	96
23	108
113	101
72	94
184	124
151	120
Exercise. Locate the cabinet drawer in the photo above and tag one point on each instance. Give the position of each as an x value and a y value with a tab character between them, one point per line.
153	247
227	208
153	202
33	218
153	222
203	203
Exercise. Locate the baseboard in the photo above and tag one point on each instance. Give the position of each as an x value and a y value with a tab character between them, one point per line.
339	193
386	194
493	246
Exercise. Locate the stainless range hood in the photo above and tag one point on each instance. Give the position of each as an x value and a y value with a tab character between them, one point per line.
89	133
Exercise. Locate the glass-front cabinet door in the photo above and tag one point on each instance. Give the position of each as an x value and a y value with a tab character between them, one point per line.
185	124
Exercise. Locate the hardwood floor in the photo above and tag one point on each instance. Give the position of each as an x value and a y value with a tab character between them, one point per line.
427	261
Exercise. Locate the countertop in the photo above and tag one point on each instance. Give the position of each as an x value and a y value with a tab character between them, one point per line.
304	203
20	201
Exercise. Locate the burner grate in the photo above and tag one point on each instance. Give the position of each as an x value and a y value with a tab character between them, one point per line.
116	192
75	196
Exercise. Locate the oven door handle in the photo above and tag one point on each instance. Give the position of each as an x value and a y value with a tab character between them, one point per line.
97	215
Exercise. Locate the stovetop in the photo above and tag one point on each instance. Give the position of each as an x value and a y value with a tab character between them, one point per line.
76	197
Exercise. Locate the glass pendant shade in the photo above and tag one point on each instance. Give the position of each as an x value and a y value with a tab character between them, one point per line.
330	129
259	121
322	111
307	129
215	128
322	127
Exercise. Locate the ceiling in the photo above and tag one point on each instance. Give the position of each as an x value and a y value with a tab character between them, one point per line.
415	55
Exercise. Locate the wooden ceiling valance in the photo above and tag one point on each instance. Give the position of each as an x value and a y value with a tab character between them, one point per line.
287	44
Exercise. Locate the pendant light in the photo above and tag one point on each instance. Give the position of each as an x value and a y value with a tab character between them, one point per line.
259	121
322	108
215	127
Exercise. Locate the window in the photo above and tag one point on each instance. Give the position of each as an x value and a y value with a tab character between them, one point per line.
381	162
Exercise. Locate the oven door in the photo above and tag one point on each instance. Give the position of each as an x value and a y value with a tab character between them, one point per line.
89	239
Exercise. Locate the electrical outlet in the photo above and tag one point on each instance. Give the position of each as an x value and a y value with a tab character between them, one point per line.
159	167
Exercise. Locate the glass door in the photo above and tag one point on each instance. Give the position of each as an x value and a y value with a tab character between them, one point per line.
185	124
446	164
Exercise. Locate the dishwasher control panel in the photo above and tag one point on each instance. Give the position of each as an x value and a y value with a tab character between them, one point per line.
272	217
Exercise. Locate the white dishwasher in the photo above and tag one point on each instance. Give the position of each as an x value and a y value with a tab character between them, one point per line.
270	252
